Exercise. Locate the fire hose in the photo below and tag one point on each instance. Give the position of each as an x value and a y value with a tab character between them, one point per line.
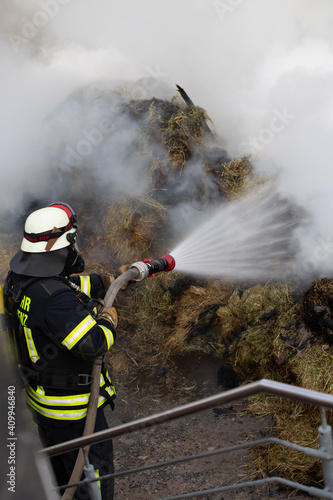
137	272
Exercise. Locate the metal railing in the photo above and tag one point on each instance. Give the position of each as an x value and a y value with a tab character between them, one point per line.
324	452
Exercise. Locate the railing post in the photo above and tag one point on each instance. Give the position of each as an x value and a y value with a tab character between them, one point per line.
90	473
326	444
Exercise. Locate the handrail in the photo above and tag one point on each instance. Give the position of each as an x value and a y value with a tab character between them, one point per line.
264	385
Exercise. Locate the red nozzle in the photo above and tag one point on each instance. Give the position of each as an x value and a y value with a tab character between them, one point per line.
171	262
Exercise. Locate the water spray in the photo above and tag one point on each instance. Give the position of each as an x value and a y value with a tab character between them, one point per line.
251	238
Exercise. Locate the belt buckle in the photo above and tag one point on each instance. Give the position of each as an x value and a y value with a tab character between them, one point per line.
87	379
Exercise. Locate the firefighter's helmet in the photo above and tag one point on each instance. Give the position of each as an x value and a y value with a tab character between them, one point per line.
48	232
49	229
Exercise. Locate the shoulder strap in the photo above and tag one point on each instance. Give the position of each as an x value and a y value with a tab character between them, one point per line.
17	291
14	293
51	285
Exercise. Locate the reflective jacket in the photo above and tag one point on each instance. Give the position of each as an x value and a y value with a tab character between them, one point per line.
62	338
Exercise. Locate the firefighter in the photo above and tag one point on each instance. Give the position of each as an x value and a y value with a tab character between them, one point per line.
63	327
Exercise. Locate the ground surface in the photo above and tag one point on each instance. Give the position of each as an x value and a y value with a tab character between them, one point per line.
189	379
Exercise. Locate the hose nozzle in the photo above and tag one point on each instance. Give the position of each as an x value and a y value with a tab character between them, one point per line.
165	263
149	268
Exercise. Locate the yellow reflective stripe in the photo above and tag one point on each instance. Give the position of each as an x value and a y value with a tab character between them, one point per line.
57	414
108	335
108	379
76	399
74	407
85	285
40	390
79	331
33	354
98	482
110	390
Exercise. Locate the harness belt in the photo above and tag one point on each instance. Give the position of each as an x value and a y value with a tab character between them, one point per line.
58	378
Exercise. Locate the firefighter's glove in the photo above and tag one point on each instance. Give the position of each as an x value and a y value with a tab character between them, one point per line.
118	272
108	278
109	314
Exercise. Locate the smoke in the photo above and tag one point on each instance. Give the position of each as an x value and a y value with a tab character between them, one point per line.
263	71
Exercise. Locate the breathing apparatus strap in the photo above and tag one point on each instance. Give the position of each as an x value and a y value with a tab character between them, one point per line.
87	301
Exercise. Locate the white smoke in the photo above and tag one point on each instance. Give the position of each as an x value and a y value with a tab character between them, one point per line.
263	71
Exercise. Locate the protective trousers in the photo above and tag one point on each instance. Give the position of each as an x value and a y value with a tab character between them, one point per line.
100	454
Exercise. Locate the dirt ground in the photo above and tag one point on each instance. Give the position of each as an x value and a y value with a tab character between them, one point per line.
187	379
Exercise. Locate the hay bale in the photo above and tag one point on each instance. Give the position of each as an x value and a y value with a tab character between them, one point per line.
234	177
251	356
183	132
294	422
252	327
317	305
143	313
195	322
171	325
131	227
278	350
231	316
313	369
247	307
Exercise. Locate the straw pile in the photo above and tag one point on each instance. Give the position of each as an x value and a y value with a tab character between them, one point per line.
266	334
131	227
261	331
196	325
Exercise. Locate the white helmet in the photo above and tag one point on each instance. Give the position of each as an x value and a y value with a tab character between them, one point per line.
48	246
49	229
